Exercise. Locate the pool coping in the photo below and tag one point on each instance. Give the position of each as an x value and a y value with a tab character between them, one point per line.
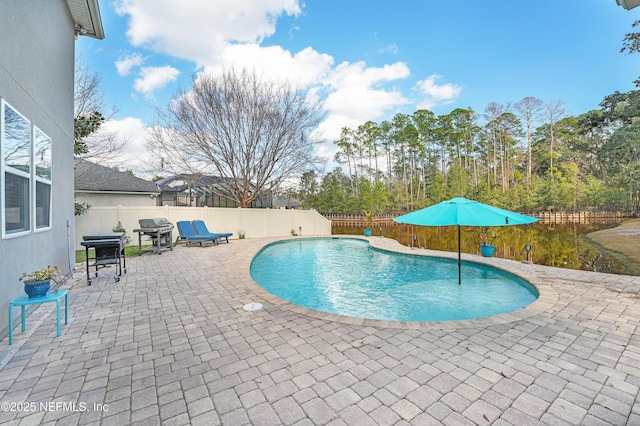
547	296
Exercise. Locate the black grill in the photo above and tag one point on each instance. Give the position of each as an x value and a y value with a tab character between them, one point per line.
108	250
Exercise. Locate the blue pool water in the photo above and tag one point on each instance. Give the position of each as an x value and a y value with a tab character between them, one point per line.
347	277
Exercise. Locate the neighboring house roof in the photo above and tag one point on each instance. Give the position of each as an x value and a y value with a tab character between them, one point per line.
86	15
181	183
628	4
89	176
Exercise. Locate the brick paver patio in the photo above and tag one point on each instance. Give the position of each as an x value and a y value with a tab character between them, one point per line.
171	344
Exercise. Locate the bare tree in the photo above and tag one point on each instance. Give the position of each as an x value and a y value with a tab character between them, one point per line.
92	142
554	112
87	95
529	109
492	114
253	133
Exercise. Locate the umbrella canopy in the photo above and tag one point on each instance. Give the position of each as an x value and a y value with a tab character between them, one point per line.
463	212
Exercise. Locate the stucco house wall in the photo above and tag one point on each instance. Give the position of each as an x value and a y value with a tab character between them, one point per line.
37	51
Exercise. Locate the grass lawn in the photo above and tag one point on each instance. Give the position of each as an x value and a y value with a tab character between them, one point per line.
621	243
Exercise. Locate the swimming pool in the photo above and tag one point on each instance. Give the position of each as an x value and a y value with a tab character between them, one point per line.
347	277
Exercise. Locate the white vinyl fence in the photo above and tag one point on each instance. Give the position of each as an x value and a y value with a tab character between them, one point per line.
252	222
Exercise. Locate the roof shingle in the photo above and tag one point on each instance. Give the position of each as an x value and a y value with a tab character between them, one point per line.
89	176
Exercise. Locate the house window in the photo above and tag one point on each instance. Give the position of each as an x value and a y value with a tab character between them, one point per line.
25	191
16	207
42	145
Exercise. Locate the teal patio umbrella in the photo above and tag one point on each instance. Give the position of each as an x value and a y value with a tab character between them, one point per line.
463	212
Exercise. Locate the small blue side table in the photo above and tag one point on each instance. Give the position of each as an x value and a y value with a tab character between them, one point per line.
24	300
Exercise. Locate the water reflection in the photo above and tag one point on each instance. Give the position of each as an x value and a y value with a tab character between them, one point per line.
562	246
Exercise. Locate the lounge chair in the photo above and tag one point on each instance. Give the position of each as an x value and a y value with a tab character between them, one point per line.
201	229
188	234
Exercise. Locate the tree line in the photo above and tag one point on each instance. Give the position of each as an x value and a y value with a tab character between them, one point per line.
528	156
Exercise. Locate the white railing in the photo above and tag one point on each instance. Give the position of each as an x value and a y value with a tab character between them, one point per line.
253	222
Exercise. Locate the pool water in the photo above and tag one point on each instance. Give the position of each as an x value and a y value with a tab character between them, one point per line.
347	277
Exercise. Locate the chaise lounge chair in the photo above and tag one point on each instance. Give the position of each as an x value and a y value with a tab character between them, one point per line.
201	229
188	234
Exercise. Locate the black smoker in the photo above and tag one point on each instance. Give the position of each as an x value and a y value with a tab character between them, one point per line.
109	250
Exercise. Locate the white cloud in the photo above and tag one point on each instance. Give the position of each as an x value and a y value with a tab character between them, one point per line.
358	92
355	93
154	78
434	94
125	63
305	68
326	152
199	30
329	131
134	133
134	130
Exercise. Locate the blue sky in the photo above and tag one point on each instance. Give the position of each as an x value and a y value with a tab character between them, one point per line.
373	58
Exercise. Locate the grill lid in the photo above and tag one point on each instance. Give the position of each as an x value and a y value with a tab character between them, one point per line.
155	222
103	236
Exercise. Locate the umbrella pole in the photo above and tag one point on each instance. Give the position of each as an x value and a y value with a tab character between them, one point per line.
459	260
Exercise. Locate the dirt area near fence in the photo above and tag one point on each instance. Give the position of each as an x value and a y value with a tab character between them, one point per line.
622	243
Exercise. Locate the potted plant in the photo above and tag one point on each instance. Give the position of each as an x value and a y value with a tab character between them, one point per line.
241	235
487	249
367	230
120	228
38	282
